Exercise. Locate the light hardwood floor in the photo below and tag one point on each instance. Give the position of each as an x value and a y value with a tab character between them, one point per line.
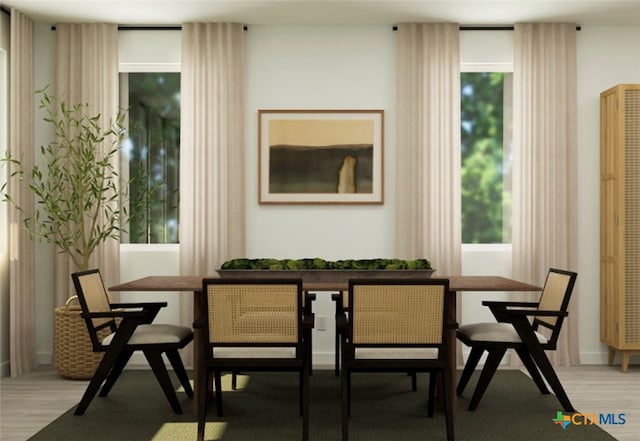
32	401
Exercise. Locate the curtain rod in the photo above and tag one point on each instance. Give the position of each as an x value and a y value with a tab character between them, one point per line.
5	10
147	28
395	28
488	28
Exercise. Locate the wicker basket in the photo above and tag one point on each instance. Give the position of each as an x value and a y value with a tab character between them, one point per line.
74	356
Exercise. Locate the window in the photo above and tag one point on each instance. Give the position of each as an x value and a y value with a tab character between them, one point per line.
151	156
486	114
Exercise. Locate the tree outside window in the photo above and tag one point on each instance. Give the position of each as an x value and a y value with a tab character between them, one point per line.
486	157
152	154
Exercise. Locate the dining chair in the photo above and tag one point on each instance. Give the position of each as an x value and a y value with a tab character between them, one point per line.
341	300
530	328
397	326
131	329
253	325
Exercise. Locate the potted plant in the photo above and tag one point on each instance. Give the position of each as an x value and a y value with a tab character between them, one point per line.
79	202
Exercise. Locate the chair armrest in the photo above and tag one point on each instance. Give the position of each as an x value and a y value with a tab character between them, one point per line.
451	325
308	321
341	321
513	315
338	297
147	305
528	312
116	314
507	304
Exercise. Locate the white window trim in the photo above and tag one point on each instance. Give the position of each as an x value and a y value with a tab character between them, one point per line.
486	67
148	67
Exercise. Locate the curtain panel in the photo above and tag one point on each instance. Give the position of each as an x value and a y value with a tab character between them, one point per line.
428	193
428	215
22	346
212	197
87	73
544	162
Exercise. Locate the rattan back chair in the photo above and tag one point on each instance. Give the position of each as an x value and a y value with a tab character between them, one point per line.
530	328
131	329
253	325
397	326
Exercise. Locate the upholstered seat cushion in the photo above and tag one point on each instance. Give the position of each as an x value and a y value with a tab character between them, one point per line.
253	352
494	332
395	353
154	334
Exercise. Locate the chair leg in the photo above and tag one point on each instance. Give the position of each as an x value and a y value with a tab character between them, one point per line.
178	367
448	404
305	403
531	367
345	401
432	393
115	372
218	386
349	393
337	354
107	362
301	391
546	368
157	366
203	392
414	381
490	367
234	380
469	367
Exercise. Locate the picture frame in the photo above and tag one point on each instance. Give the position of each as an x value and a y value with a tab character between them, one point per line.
321	156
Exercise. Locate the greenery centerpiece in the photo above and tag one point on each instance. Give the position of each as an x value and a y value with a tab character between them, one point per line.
317	263
318	270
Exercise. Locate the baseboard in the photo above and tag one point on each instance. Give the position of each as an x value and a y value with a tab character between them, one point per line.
5	369
44	358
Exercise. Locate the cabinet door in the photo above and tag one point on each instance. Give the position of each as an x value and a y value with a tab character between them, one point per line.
631	317
611	218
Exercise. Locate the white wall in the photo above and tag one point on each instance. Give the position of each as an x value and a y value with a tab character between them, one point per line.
354	67
607	55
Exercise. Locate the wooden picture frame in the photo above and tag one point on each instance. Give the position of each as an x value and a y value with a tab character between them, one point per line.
321	156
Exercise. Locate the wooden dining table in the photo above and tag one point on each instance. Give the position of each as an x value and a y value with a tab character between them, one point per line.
193	285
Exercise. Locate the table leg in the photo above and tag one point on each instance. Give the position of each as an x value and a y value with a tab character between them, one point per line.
452	347
197	342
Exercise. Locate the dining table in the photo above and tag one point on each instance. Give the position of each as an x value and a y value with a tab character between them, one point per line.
193	285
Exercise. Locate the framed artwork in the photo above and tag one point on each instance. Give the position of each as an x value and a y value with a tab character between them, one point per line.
321	156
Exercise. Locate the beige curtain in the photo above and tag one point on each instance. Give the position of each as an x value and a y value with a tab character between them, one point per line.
428	212
87	72
428	194
22	346
544	162
212	198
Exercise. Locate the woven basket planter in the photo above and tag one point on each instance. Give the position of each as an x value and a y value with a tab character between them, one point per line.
74	356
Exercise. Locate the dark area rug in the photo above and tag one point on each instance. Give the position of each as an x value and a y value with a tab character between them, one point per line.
265	408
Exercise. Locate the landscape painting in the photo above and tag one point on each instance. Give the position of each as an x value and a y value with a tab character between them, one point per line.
321	156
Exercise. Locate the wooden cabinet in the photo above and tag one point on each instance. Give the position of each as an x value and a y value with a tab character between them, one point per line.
620	221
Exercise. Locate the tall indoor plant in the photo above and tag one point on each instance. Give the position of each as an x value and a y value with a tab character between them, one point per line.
80	202
79	196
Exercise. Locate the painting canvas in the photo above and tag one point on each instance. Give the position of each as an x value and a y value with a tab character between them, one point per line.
321	156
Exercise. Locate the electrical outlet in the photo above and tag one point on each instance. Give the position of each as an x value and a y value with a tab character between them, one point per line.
321	322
